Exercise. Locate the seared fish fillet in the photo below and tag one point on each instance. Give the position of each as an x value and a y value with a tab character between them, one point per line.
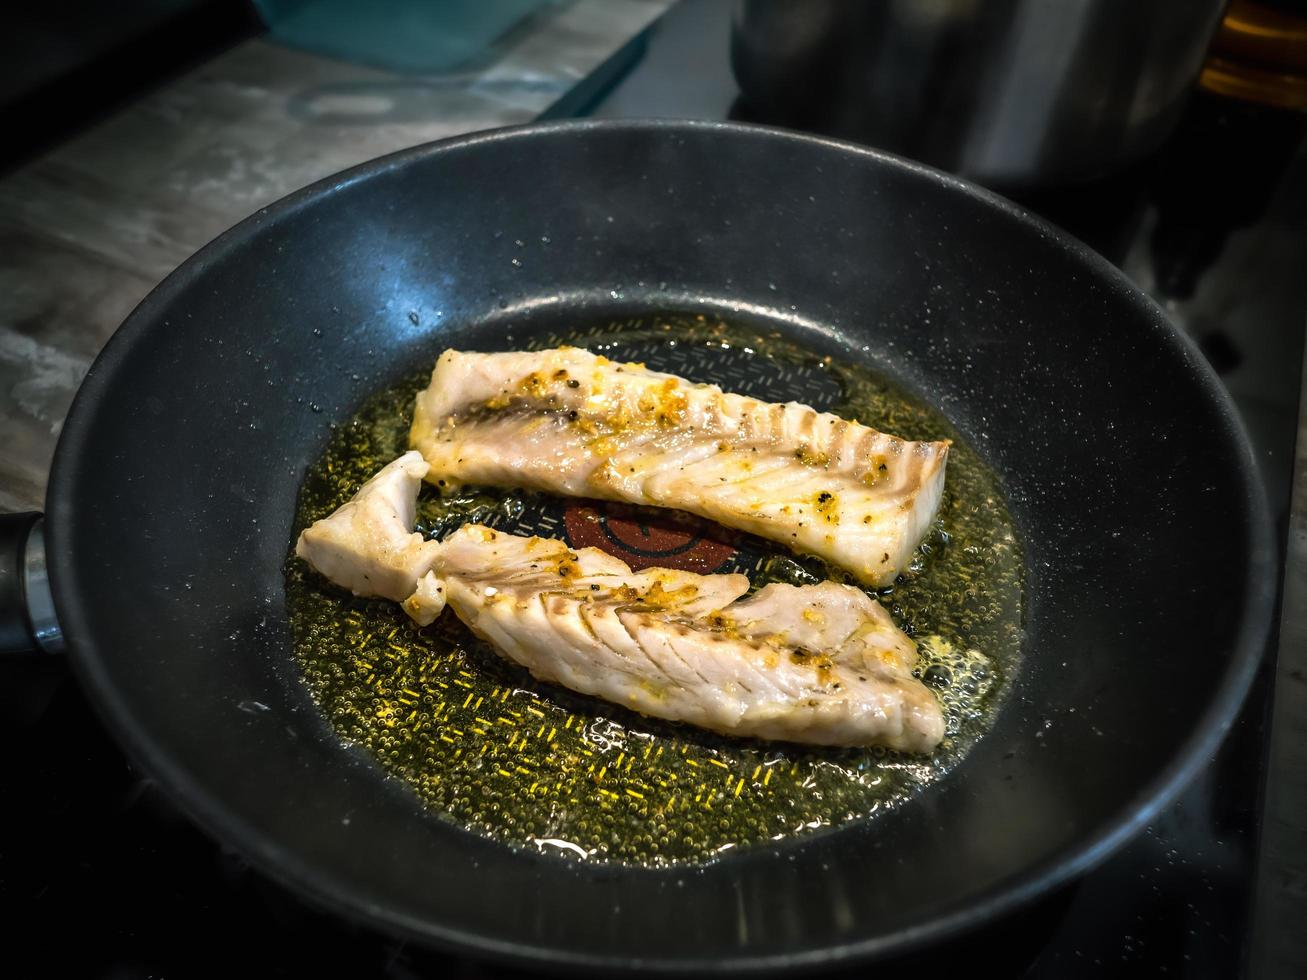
822	664
368	545
569	422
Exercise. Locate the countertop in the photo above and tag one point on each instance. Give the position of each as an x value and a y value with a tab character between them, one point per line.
1278	947
87	229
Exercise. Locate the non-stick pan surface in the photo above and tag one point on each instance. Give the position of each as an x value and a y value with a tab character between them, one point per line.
1146	539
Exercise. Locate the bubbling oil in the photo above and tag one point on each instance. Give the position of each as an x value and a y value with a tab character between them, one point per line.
486	747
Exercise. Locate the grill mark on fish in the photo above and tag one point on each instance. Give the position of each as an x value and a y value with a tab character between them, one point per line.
686	667
636	640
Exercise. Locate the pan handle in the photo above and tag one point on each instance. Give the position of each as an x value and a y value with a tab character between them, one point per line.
27	620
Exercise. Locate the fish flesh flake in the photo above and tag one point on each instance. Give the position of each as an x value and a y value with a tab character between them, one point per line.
820	664
569	422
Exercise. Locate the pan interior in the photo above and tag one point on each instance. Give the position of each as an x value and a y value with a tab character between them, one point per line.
486	747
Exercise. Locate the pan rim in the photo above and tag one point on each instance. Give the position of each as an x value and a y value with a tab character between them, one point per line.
323	888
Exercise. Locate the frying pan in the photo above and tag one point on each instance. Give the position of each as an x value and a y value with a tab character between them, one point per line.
1145	532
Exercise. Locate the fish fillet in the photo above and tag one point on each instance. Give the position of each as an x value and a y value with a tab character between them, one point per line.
567	421
821	664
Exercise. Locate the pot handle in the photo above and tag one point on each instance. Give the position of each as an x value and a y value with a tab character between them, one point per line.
27	620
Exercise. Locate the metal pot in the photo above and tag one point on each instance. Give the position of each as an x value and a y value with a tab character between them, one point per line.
1013	93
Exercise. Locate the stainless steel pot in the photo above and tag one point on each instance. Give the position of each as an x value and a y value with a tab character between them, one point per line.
1014	93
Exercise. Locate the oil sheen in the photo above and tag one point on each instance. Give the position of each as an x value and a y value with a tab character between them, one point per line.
486	747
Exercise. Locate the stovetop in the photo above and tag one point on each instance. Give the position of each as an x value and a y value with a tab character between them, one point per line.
100	875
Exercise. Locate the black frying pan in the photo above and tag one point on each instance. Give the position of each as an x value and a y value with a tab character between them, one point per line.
1147	541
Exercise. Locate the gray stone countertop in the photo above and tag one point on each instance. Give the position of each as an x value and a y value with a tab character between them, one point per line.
89	228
